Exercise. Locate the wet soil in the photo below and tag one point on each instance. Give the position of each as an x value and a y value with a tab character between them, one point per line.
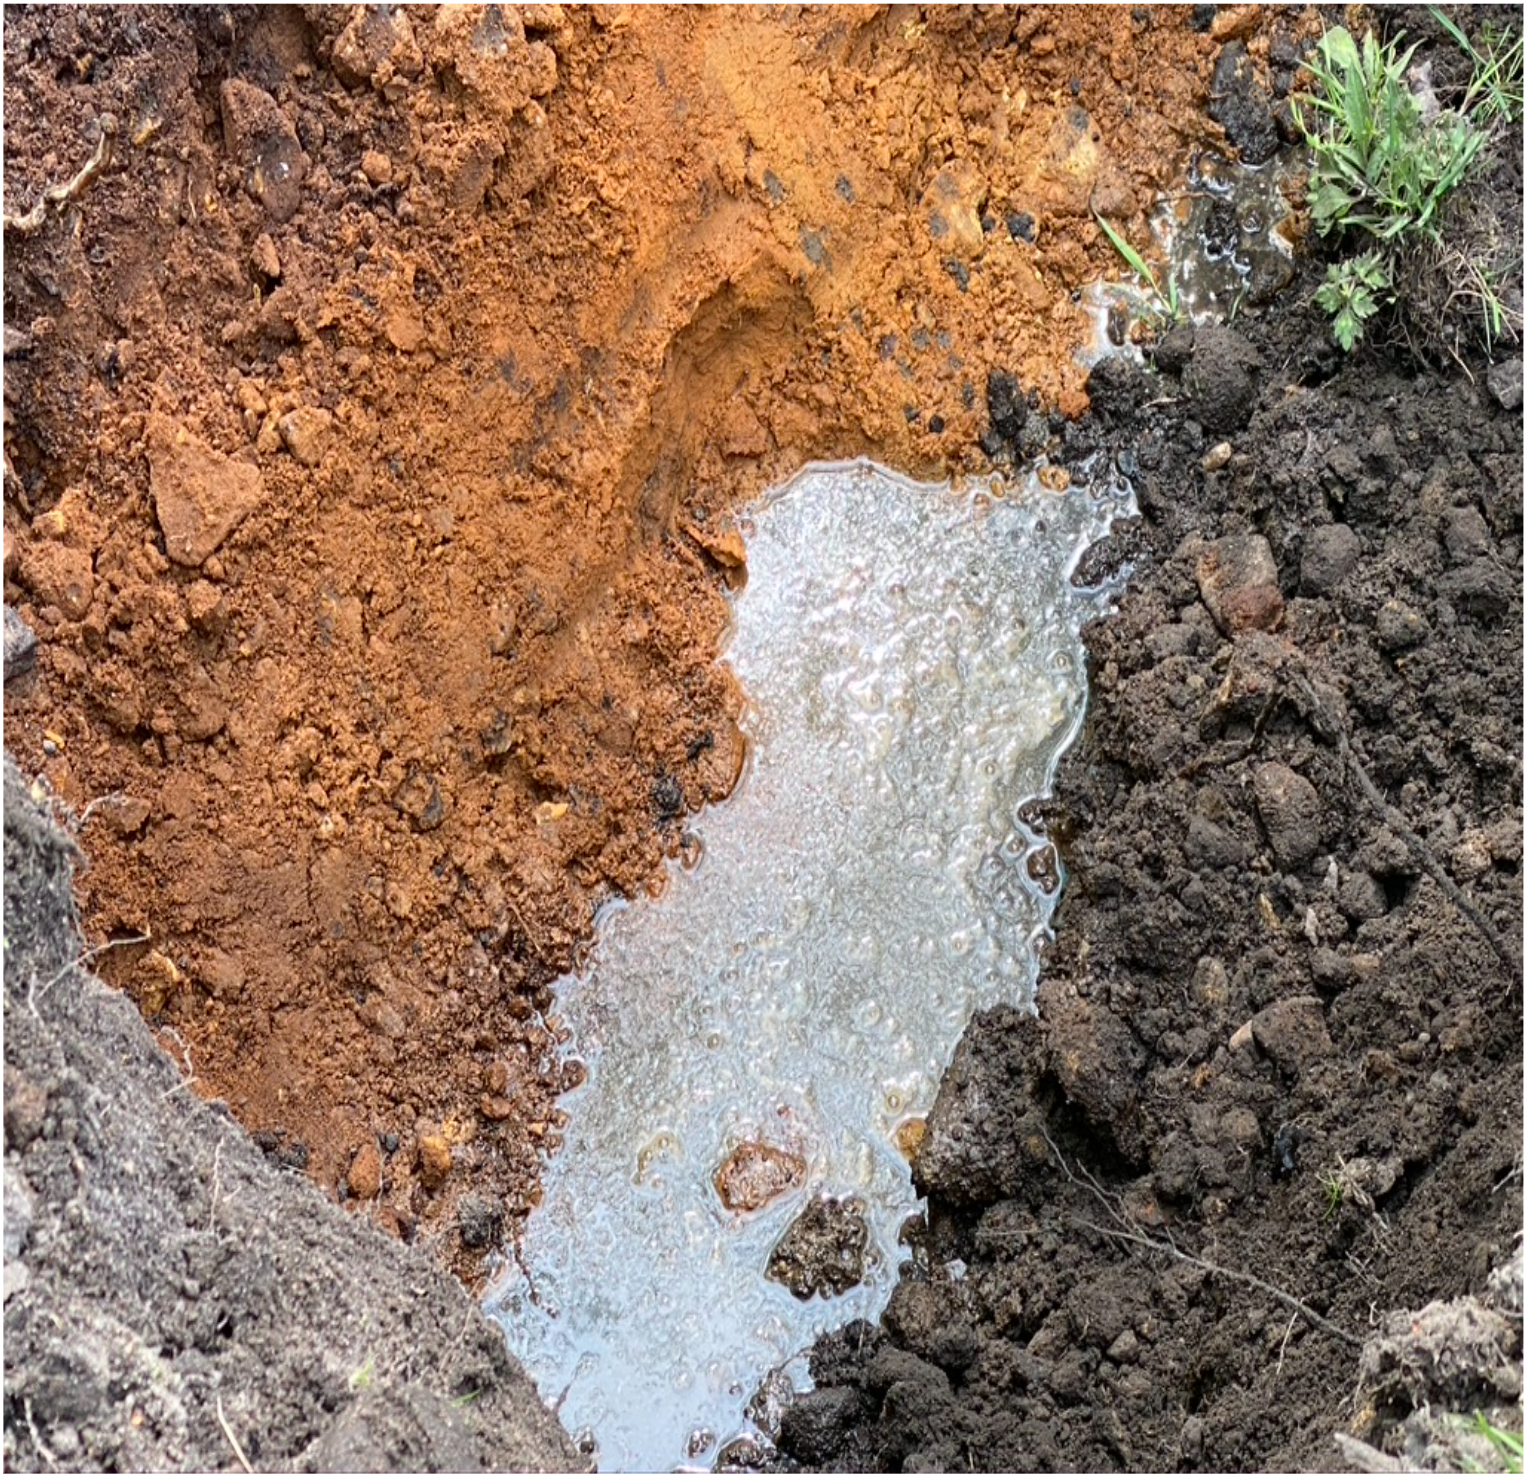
471	331
372	415
1273	1090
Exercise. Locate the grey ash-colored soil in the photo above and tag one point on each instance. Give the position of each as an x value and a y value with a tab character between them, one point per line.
169	1291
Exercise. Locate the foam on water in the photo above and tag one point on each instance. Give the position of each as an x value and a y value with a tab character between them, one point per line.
913	667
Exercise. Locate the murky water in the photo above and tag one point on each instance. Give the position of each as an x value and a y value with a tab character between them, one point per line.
913	667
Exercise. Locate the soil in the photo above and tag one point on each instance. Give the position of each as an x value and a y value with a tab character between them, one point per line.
174	1301
374	420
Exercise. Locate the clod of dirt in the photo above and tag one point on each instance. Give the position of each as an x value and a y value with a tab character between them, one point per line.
1290	809
166	1285
1241	106
822	1252
1222	378
755	1174
1330	553
199	494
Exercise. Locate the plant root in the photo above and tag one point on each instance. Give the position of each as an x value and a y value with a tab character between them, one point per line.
60	195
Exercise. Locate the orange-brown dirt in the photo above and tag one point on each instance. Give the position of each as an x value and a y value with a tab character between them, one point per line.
373	420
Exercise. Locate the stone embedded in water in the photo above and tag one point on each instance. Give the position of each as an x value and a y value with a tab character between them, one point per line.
756	1174
822	1253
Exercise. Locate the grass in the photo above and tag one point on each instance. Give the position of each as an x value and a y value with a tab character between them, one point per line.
1506	1443
1166	306
1384	168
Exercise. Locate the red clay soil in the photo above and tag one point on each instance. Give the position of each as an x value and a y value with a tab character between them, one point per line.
372	421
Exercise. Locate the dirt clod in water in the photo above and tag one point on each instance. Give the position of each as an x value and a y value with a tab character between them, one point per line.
371	417
822	1252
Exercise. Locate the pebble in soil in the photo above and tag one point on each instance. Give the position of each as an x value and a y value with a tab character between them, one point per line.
760	1038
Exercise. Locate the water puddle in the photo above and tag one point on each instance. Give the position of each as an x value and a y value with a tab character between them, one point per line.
768	1033
1222	241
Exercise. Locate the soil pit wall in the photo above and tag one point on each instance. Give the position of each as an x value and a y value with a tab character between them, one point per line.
372	419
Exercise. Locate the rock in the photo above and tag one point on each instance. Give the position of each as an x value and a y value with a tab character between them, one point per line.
952	204
1222	379
1217	457
756	1174
1330	553
1241	106
1237	579
20	646
480	1222
261	141
264	258
418	797
306	431
364	1180
1292	1032
1398	627
434	1160
122	814
200	495
376	167
59	575
1290	810
822	1252
1504	381
1465	534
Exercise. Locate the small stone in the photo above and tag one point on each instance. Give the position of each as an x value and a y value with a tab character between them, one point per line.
496	1108
1125	1347
364	1180
1217	457
1237	578
1330	553
1398	627
306	432
261	140
123	815
264	258
480	1222
1290	810
376	167
1504	381
418	797
200	495
1292	1032
756	1174
1242	1037
377	46
952	204
20	646
434	1160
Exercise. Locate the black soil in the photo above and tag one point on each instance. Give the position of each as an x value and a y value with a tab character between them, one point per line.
1274	1085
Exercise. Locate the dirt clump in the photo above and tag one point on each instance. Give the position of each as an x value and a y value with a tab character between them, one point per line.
374	417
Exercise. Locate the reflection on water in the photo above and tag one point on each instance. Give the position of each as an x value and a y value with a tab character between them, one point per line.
764	1033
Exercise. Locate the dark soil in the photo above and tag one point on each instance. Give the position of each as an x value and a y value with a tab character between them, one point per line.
173	1299
1279	1030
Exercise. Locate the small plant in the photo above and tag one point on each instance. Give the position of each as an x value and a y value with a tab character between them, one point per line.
1507	1443
1496	89
1166	305
1335	1194
1353	292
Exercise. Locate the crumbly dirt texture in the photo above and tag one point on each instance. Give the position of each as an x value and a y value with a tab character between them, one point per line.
174	1301
373	417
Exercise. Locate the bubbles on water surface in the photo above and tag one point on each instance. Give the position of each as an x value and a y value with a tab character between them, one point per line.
913	669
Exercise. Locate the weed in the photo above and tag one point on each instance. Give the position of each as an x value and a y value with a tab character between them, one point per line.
1165	302
1353	291
1385	168
1334	1186
361	1378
